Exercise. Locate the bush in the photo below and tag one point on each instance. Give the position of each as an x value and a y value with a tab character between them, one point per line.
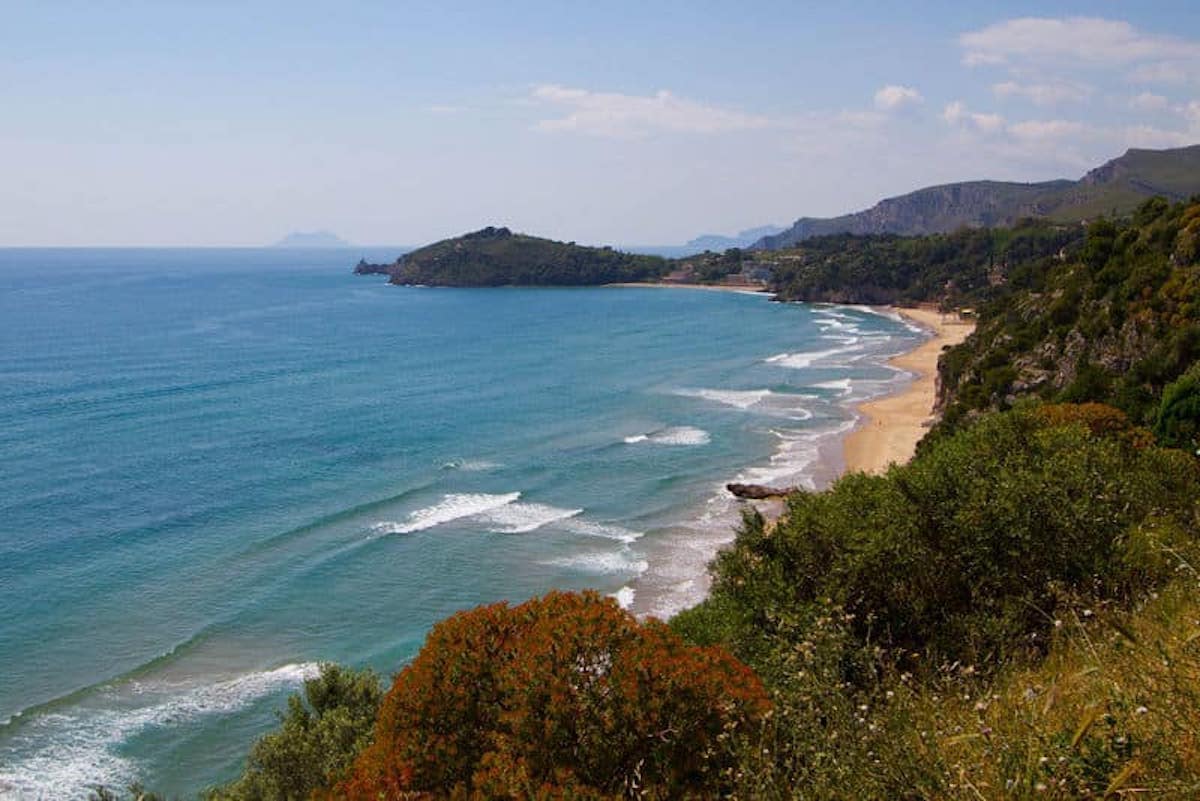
888	614
318	740
563	696
965	553
1178	421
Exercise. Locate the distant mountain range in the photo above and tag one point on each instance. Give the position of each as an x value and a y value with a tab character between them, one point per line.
744	239
312	239
1113	189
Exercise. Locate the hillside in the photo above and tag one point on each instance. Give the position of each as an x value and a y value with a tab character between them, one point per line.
1116	322
960	268
498	257
1113	189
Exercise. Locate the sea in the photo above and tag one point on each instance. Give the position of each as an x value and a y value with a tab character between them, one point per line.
222	467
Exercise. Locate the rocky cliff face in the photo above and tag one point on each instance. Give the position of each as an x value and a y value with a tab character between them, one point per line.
936	209
364	267
1116	187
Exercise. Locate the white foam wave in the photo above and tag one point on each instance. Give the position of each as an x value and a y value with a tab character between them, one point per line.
606	531
798	361
837	325
682	435
624	596
621	562
470	465
522	518
64	754
892	315
451	507
740	399
843	384
828	311
845	339
676	435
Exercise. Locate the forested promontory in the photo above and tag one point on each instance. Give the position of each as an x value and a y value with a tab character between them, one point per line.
498	257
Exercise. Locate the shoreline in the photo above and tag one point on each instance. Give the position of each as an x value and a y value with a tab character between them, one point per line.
890	427
744	289
870	436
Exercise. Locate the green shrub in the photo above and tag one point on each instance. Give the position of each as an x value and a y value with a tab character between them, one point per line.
963	554
1178	421
319	737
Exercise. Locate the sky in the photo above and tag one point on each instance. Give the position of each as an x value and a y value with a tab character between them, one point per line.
222	123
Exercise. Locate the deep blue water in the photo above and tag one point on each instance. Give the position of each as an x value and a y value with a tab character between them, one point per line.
219	467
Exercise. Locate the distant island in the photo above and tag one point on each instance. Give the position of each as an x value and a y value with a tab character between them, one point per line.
498	257
312	239
744	239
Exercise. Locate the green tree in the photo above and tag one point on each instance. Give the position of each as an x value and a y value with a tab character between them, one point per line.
319	737
1178	423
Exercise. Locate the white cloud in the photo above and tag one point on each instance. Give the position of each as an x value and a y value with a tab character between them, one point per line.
1164	72
1086	41
853	119
1061	142
958	114
612	114
1044	94
1148	101
1047	129
893	96
1191	113
441	109
1149	136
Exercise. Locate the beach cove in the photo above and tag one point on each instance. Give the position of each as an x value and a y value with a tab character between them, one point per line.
893	425
288	447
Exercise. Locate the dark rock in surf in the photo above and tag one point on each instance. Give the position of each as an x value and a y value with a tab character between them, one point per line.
757	492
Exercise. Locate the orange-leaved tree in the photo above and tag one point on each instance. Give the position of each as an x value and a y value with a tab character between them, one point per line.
562	696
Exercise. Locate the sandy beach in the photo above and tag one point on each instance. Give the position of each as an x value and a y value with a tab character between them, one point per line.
892	425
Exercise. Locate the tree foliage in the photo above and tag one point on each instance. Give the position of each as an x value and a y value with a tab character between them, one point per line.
960	267
499	257
1178	421
965	553
319	737
892	616
1115	325
562	696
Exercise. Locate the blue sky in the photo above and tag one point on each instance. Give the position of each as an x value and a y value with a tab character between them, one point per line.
233	123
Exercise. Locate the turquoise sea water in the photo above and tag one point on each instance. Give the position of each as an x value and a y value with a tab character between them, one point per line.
220	467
